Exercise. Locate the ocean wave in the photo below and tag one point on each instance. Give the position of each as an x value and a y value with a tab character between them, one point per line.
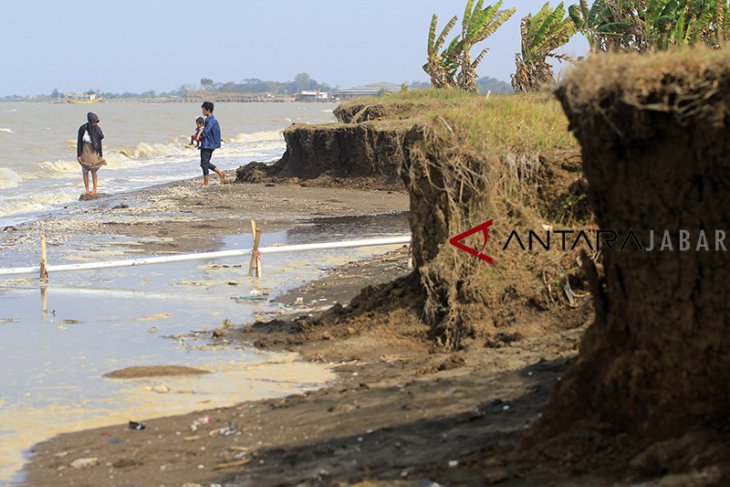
266	136
59	167
9	178
6	131
145	150
36	202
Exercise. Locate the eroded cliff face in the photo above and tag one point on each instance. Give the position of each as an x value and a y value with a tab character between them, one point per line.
450	189
649	389
359	155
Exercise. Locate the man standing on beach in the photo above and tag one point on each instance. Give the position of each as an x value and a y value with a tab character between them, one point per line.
210	140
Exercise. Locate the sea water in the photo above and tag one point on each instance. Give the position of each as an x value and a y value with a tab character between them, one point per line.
145	144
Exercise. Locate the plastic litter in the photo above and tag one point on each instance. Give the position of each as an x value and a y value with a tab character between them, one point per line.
199	421
134	425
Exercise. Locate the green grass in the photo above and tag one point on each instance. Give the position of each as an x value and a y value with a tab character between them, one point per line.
514	123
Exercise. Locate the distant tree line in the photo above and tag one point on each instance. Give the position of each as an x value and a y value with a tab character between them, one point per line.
301	82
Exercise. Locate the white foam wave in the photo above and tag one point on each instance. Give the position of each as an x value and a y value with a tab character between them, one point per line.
59	167
8	178
145	150
266	136
6	131
37	202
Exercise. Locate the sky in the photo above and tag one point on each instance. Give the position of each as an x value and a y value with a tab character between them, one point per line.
135	46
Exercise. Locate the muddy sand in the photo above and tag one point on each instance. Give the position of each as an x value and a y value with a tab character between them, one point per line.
399	414
187	217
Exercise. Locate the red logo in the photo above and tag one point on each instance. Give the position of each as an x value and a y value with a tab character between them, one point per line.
484	228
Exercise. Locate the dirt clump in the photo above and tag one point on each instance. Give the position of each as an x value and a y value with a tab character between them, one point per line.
363	156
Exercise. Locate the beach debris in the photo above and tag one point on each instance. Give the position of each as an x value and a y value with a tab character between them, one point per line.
152	329
237	463
453	463
257	292
85	463
158	316
219	332
229	430
161	389
299	301
250	298
200	421
134	425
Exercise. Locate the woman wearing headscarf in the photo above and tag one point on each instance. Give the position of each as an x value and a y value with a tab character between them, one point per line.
88	150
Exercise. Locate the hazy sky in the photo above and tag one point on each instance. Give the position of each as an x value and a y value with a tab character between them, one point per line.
136	45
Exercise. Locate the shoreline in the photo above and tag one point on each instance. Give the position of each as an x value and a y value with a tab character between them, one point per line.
145	221
198	217
397	412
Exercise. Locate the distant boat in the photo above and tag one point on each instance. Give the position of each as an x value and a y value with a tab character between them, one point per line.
83	99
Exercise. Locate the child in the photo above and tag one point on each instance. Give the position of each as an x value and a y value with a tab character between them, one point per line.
195	138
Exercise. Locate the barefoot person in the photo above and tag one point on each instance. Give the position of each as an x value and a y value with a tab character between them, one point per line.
210	140
88	150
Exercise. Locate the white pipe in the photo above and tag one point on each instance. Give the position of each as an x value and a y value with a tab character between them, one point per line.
206	256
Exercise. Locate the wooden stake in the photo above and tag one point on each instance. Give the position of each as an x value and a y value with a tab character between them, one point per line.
254	267
44	302
44	262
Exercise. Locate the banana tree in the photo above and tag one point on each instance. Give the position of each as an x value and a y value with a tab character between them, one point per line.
647	25
442	64
541	35
603	23
479	22
694	22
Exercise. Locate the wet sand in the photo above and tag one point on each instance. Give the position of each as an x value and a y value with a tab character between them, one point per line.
398	414
187	217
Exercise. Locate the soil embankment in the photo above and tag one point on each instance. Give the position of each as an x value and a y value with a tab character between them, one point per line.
647	395
364	156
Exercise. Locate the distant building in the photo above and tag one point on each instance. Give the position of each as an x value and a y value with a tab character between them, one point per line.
312	96
373	89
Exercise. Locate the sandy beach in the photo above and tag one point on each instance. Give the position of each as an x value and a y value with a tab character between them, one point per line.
168	301
398	412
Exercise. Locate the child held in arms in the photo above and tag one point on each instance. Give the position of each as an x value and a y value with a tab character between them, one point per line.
195	138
